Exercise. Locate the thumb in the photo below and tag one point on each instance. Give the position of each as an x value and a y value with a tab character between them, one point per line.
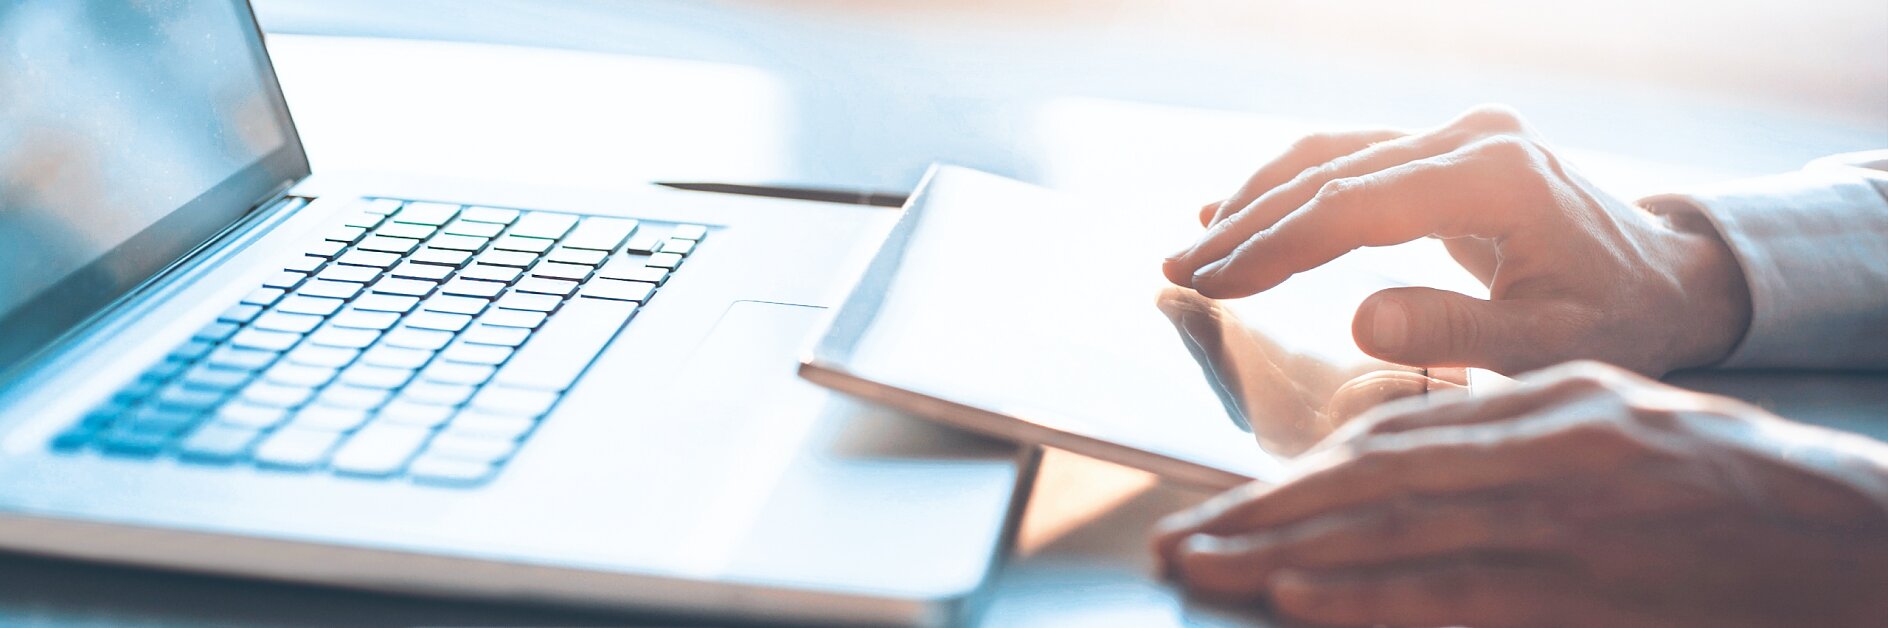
1429	327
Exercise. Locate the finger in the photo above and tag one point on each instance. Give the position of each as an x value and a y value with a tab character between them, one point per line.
1429	327
1241	222
1473	191
1269	206
1308	152
1560	442
1207	211
1466	592
1241	565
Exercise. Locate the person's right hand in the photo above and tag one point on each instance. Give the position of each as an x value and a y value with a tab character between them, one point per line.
1572	272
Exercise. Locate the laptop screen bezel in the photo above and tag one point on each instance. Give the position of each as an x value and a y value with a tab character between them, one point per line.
42	321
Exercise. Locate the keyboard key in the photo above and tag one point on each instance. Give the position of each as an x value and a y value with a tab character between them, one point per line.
241	414
665	260
330	357
216	331
458	373
218	443
364	220
166	421
426	213
349	396
619	290
370	376
287	322
406	287
471	448
415	414
354	274
508	401
329	418
566	344
330	289
449	472
386	303
240	359
344	337
134	393
385	244
180	397
407	337
346	235
532	302
485	272
678	246
496	257
443	257
286	280
264	340
475	353
455	304
132	443
406	230
295	448
513	318
599	233
191	351
165	369
472	288
493	335
490	214
382	206
565	255
325	249
365	319
543	285
380	449
520	243
483	425
689	232
264	296
304	263
429	272
438	320
208	377
301	304
436	393
267	394
645	241
368	258
396	357
465	227
457	243
555	270
543	225
240	313
299	375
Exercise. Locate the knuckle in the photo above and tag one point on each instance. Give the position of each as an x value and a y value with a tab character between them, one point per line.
1494	117
1509	150
1313	144
1336	189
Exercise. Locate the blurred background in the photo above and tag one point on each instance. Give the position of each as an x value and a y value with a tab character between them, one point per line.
1157	100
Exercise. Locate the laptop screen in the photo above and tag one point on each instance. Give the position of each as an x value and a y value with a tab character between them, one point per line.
130	134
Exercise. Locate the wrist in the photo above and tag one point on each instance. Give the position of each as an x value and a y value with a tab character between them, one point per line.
1716	307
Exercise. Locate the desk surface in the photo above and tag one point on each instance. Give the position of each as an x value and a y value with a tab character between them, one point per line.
762	95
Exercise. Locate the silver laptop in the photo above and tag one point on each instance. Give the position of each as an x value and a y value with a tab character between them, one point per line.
211	361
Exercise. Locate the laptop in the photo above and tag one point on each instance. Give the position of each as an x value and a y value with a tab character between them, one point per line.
211	360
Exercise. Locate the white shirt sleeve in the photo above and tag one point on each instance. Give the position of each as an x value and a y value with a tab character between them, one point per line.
1814	248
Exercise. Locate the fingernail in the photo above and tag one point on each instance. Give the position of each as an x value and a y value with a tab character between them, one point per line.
1209	271
1182	252
1199	544
1389	326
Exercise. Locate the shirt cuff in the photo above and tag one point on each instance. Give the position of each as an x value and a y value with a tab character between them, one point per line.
1813	246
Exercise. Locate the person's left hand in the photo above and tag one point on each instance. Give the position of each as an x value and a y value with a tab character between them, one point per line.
1584	496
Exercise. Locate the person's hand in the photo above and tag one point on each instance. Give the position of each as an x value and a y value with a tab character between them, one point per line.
1583	496
1572	272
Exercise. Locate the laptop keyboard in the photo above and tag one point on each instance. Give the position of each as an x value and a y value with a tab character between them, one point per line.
422	340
